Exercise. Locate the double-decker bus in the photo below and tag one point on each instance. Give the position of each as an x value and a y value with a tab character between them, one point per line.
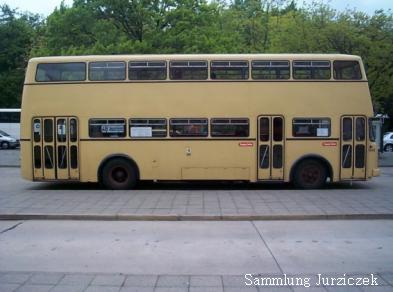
301	118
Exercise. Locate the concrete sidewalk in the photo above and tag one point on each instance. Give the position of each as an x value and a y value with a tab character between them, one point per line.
78	282
191	256
21	199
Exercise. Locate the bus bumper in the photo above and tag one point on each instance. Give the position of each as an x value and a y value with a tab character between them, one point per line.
376	172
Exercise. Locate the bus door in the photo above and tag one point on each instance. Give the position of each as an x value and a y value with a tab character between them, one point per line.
55	148
270	148
353	147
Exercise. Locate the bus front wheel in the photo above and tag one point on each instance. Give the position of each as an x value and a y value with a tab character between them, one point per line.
119	174
310	174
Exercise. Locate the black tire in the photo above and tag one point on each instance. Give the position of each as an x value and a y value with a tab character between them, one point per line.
388	148
310	174
5	145
119	174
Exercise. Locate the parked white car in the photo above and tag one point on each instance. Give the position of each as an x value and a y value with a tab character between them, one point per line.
388	142
7	141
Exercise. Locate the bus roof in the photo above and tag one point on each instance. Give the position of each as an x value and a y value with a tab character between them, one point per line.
89	58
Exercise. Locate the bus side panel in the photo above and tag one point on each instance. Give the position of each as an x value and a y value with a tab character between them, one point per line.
26	160
174	160
372	160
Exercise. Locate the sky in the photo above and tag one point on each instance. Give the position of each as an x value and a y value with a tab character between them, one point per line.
45	7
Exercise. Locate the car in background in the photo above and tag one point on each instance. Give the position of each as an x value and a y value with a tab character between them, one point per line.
388	142
7	141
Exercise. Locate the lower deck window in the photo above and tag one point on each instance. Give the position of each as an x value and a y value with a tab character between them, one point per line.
147	128
229	127
311	127
107	128
188	128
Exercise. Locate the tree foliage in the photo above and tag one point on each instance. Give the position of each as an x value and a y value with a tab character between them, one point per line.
197	26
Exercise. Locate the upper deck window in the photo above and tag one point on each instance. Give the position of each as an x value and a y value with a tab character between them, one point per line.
54	72
270	70
188	70
347	70
147	70
311	70
229	70
99	71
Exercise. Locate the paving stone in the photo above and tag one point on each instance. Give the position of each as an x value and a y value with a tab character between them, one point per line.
377	289
35	288
4	287
137	289
173	281
203	281
141	281
68	288
102	289
108	280
171	289
241	289
233	281
309	289
76	280
343	289
14	278
206	289
275	289
387	277
46	278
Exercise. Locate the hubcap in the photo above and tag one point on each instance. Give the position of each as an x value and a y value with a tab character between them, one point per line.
119	174
310	174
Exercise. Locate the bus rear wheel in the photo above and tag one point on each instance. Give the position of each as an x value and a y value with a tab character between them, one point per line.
119	174
310	174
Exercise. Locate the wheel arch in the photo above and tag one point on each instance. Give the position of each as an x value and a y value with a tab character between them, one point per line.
115	156
317	157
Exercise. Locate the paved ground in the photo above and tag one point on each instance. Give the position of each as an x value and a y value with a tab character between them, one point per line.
9	157
191	256
386	159
193	201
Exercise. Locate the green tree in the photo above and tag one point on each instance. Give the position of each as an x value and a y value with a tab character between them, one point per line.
17	33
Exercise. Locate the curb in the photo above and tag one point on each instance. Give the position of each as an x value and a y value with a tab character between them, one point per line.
117	217
9	166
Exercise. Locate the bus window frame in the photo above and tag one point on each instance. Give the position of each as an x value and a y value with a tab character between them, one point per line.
60	81
106	80
293	63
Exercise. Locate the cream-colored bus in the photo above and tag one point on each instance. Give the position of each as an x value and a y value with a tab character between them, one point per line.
119	119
